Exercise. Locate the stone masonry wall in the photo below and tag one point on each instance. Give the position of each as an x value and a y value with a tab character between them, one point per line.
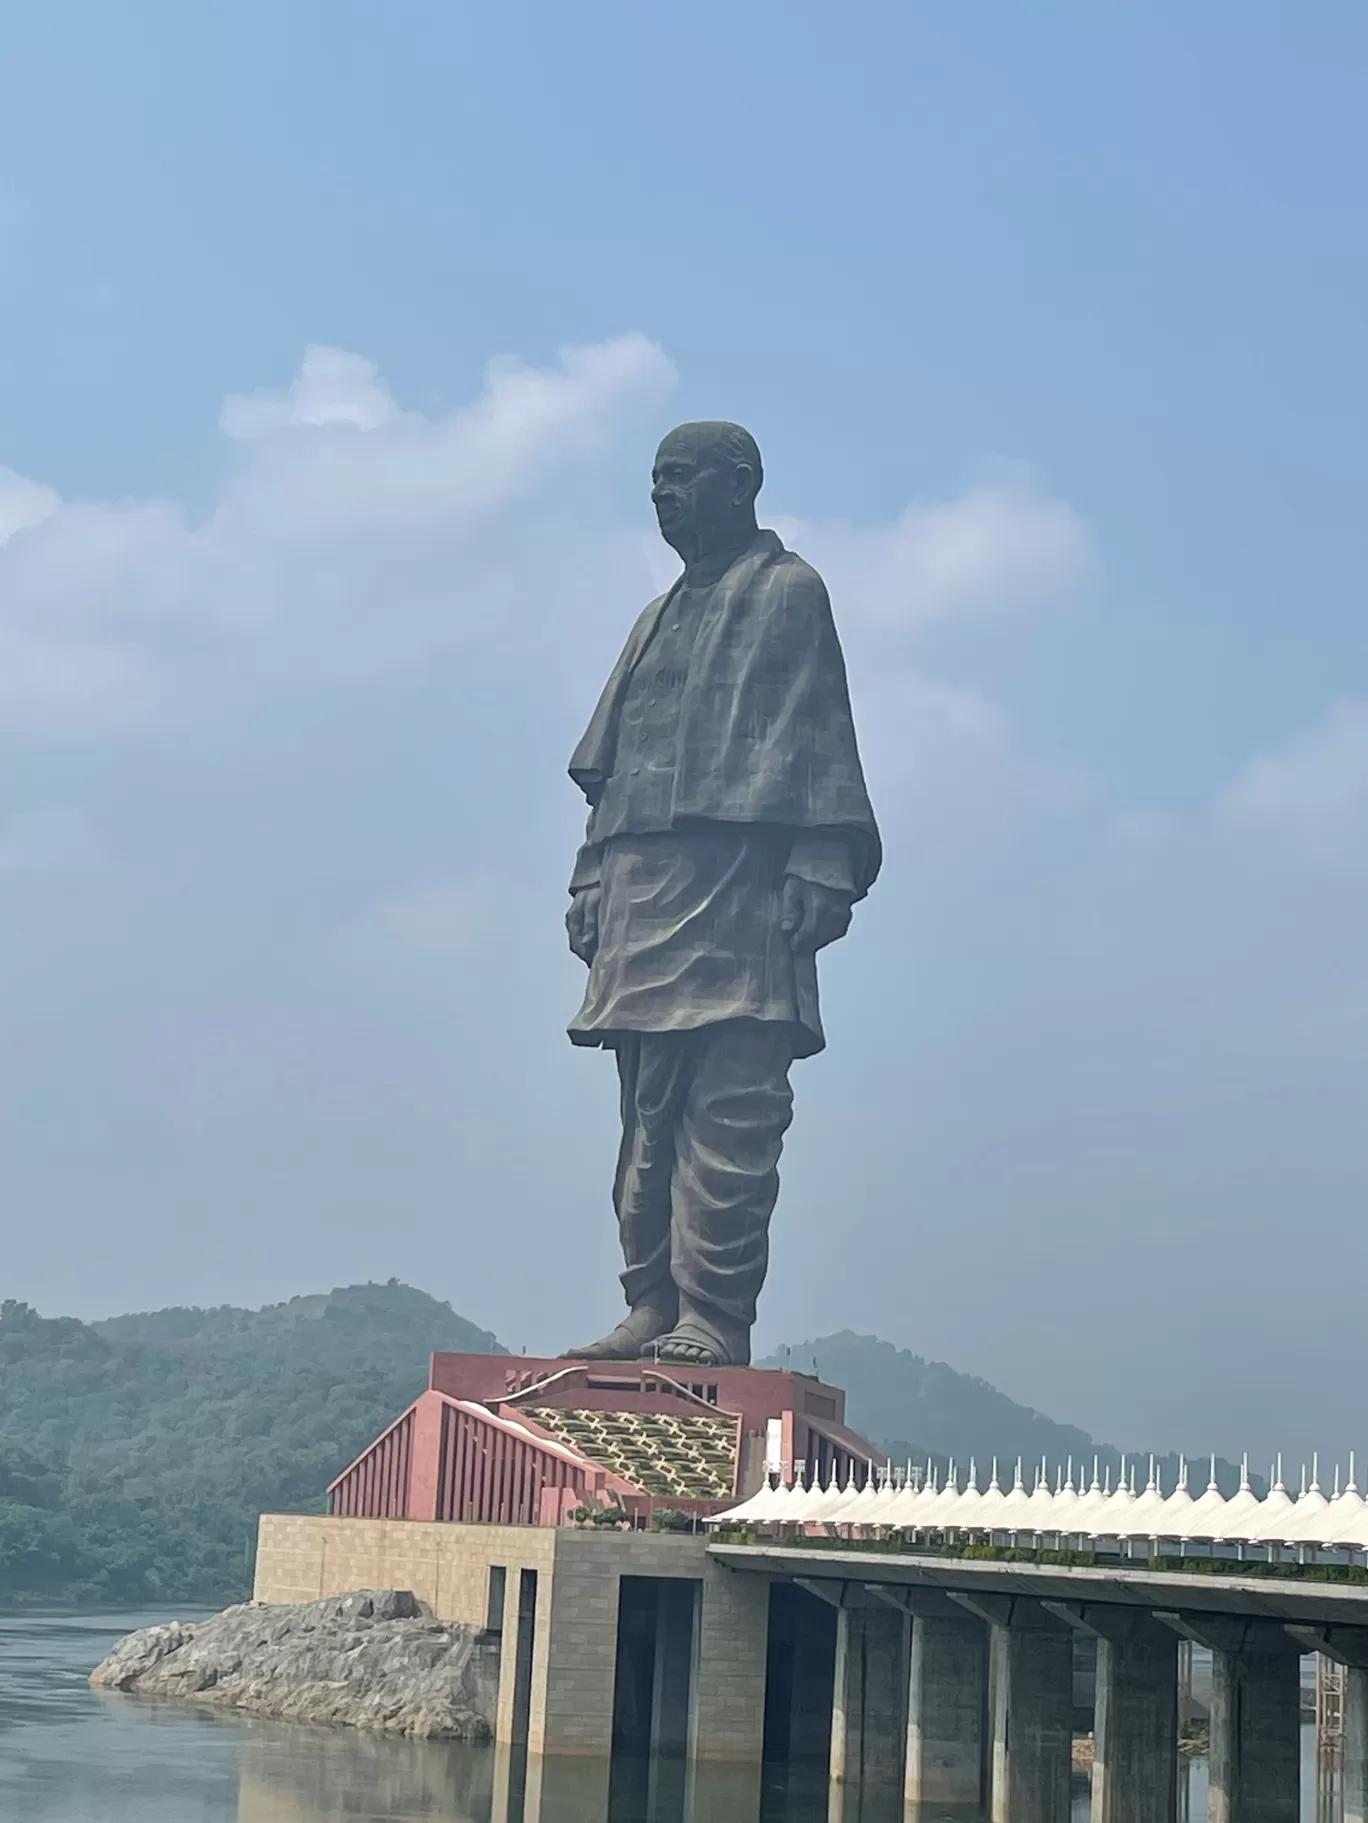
303	1557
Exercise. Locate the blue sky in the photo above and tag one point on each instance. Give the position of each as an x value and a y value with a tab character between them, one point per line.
1080	289
907	240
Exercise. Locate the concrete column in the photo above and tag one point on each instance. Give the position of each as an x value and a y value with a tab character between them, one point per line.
575	1655
800	1672
945	1710
1356	1745
517	1642
524	1595
1255	1765
555	1790
1135	1764
730	1653
1347	1646
1031	1674
672	1675
869	1702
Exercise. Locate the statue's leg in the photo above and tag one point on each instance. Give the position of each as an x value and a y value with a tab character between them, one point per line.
652	1071
726	1182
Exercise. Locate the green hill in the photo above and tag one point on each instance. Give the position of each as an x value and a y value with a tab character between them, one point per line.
892	1395
358	1325
920	1409
154	1441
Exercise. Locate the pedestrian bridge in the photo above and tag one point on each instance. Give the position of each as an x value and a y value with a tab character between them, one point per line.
954	1678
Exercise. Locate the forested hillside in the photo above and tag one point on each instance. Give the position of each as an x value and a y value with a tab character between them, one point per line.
918	1408
136	1454
388	1325
895	1396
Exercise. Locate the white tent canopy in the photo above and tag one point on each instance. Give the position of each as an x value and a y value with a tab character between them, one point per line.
887	1505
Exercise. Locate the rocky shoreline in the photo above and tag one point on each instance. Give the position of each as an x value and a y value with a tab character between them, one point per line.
375	1659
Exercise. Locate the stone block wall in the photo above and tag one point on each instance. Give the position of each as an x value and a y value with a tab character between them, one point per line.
303	1557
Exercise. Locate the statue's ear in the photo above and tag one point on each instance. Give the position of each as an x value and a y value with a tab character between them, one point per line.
745	485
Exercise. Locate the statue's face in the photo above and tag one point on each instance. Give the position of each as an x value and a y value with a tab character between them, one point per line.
695	491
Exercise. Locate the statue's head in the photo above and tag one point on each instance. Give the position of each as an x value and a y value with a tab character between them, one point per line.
703	486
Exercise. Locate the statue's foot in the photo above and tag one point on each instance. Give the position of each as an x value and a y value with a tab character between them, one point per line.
633	1337
693	1343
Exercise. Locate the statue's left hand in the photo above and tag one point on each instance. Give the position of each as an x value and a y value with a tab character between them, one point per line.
813	916
582	922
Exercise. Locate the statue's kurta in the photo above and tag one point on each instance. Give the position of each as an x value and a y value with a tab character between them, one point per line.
720	760
726	728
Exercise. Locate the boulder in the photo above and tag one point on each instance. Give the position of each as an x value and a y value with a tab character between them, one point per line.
375	1659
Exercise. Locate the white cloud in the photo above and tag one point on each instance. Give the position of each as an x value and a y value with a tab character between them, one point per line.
406	474
989	551
23	503
66	688
331	387
946	757
348	534
1314	787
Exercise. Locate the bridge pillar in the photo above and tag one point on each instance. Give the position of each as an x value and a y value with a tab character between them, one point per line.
1135	1726
1030	1681
1135	1763
1348	1646
869	1706
1356	1745
947	1687
1255	1764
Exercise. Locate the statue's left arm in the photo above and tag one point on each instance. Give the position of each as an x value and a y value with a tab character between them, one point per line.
819	891
788	752
828	868
582	918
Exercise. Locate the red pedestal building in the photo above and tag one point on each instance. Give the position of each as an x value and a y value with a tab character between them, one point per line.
506	1440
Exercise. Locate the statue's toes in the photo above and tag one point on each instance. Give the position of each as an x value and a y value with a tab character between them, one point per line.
620	1346
688	1354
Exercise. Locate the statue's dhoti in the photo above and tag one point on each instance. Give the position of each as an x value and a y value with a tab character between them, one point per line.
697	989
704	1115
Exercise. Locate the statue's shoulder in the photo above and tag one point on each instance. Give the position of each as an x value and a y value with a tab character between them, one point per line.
799	570
794	577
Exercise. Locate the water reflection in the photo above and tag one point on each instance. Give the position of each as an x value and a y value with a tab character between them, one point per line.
71	1755
292	1775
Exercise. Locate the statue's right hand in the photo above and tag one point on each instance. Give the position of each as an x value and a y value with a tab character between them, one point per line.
582	923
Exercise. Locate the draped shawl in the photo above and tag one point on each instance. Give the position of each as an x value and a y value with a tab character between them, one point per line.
765	731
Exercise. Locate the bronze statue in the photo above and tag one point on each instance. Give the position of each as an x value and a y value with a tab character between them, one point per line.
729	835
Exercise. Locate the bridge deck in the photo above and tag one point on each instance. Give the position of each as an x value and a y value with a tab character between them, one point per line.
1282	1599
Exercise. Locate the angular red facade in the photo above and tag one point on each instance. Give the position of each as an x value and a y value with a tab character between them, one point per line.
505	1440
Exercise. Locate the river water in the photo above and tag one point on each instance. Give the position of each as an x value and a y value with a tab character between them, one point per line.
69	1754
